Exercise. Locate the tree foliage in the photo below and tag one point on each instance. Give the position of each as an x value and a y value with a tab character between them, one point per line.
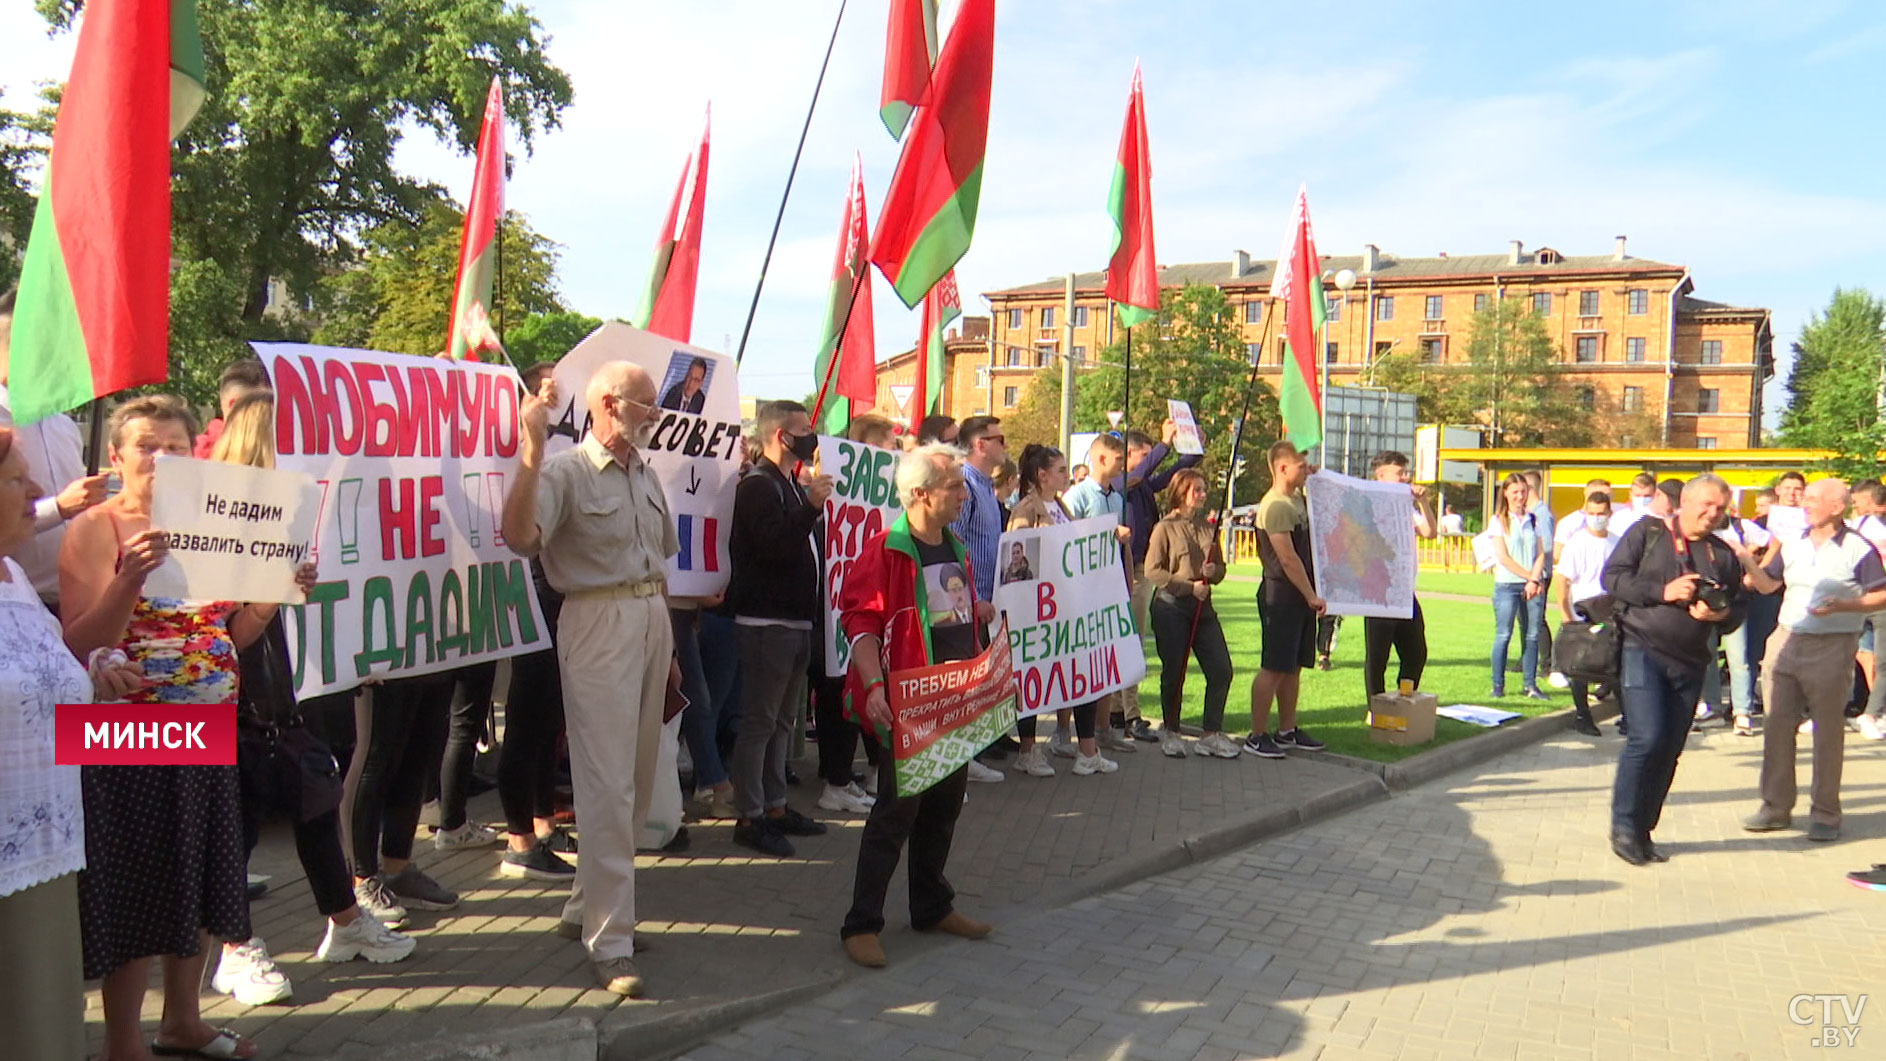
397	296
290	160
1512	384
547	336
23	141
1193	350
1834	386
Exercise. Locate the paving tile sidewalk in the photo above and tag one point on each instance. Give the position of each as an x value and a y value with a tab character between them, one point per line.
727	926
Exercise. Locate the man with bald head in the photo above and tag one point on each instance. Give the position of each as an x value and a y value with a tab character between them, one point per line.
597	517
1830	578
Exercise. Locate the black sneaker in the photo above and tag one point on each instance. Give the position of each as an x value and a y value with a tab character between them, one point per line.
1296	738
1623	729
1535	693
419	891
1140	729
1584	724
1263	746
560	842
760	835
792	823
539	863
679	844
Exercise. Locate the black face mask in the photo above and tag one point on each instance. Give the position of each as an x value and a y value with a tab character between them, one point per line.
804	447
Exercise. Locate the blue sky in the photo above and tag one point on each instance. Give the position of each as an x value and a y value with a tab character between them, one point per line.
1732	136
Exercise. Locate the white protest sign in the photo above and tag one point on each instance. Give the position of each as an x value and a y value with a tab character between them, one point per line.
236	532
413	457
1188	440
1070	625
862	505
695	450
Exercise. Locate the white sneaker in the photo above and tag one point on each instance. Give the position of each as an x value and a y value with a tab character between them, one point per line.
870	782
1171	744
1096	764
979	772
1702	709
1114	740
1219	746
1558	681
1033	763
247	974
869	797
841	799
1062	744
470	834
1806	727
1870	728
365	938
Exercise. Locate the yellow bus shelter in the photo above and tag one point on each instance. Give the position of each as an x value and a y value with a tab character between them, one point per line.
1566	471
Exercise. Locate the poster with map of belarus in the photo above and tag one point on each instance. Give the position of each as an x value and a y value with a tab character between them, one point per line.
1363	542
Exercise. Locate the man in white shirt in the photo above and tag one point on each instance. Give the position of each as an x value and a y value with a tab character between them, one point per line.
1580	565
55	458
1572	523
1643	495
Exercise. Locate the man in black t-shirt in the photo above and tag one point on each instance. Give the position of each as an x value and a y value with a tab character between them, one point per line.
1288	606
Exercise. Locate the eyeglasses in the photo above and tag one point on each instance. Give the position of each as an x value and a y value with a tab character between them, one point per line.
626	400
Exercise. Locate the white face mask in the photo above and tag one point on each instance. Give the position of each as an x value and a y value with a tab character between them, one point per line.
1597	524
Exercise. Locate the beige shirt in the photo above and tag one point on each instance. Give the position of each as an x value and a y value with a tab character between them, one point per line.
602	523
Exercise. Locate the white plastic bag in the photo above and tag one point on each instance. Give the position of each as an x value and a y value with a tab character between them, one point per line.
664	806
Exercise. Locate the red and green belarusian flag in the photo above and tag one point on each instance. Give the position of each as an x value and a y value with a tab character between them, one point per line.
849	387
930	210
1133	271
668	308
477	251
1299	282
93	311
941	305
909	53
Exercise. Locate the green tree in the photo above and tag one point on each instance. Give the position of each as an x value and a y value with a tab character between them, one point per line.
23	141
547	336
291	158
1194	351
1512	383
1834	386
397	296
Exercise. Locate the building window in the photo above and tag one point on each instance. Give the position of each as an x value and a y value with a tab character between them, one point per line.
1329	352
1479	303
1708	400
1586	350
1431	349
1434	307
1080	316
1017	320
1588	398
1633	350
1254	312
1627	441
982	375
1637	301
1009	396
1043	356
1712	351
1706	442
1588	303
1253	351
1332	308
1633	399
1080	355
1047	317
1382	349
1385	308
1542	303
1014	357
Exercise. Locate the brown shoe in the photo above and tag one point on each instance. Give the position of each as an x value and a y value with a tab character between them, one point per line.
618	977
866	950
956	924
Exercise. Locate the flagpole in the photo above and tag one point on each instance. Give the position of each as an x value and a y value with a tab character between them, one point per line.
741	353
96	431
1237	435
838	345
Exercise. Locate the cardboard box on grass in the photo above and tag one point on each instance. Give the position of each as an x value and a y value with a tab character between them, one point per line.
1402	720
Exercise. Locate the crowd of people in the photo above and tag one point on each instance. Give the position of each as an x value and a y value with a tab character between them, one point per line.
164	850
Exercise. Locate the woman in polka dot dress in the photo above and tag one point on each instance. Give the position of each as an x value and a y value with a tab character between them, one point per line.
165	867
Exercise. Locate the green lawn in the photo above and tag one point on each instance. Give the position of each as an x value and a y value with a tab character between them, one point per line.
1334	705
1473	583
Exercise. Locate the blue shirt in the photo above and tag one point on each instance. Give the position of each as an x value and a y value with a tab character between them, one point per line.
1523	543
1142	499
979	525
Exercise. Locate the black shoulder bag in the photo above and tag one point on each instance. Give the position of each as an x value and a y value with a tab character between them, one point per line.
282	764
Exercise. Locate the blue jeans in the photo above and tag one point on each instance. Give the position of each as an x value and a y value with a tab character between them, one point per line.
1509	602
698	722
1741	674
720	659
1659	698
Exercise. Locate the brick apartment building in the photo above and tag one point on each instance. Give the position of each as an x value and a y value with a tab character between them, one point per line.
1634	338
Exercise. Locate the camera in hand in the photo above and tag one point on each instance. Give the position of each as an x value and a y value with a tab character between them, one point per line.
1711	594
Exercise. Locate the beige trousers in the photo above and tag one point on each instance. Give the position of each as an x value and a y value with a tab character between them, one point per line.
1805	675
614	656
42	1010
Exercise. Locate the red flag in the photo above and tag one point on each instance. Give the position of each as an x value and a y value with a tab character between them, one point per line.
930	210
853	383
668	308
1299	281
1132	274
477	255
909	53
941	305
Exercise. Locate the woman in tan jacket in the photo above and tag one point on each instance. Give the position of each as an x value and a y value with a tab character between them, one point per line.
1043	475
1183	563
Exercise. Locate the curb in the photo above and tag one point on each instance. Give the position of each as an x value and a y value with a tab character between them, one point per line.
672	1034
1471	751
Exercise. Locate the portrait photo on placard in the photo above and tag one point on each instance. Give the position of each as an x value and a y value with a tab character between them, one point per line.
1020	561
684	386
